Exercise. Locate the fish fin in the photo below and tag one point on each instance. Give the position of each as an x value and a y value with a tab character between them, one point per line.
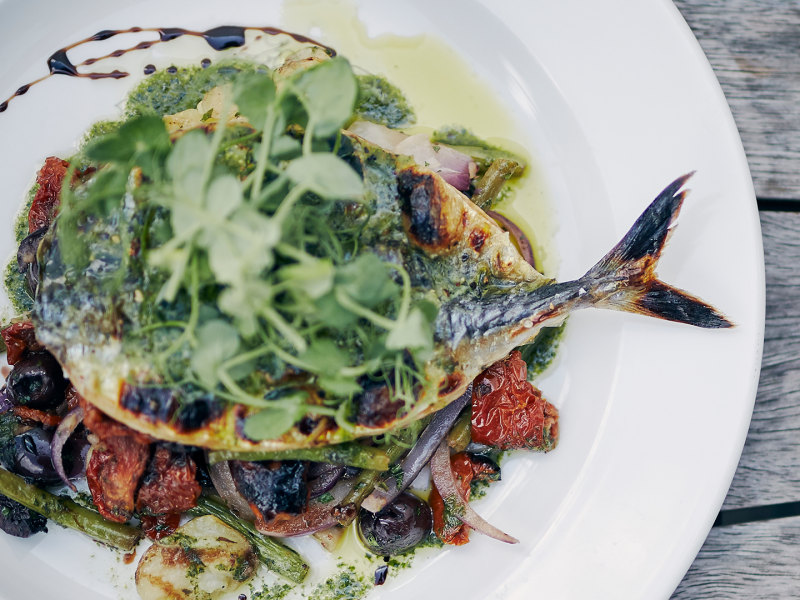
631	264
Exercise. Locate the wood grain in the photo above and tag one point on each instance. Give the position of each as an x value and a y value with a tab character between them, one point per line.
769	470
754	47
756	561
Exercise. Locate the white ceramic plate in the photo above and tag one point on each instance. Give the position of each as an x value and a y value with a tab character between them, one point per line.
614	99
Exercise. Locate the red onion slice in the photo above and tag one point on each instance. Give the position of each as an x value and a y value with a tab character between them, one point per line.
455	167
523	243
68	424
445	482
222	479
419	455
318	515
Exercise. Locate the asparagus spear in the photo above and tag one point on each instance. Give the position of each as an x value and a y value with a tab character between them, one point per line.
366	482
69	514
351	453
488	187
461	434
277	557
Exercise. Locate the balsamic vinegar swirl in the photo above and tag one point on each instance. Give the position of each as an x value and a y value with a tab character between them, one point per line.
219	38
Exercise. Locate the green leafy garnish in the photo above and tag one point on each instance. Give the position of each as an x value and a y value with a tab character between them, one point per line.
248	284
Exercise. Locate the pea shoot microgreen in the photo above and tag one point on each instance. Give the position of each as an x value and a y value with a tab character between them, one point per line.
256	287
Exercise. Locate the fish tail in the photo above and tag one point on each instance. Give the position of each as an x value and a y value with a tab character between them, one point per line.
625	278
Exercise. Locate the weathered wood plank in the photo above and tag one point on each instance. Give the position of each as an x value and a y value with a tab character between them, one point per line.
754	47
769	470
757	561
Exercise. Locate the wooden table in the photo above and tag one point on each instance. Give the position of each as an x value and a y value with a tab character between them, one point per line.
753	551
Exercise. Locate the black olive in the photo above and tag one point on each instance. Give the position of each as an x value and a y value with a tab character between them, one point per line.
36	382
398	527
33	457
322	477
27	262
18	520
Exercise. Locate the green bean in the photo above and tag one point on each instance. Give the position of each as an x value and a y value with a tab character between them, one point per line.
278	558
69	514
488	187
365	482
484	156
350	454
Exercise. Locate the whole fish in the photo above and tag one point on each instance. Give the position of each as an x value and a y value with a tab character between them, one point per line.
490	302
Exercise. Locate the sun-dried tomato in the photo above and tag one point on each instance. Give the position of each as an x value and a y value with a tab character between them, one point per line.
45	203
117	462
446	525
19	338
509	412
169	488
159	526
31	414
115	467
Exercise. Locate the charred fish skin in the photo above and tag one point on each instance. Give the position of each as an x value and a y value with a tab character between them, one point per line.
624	279
490	301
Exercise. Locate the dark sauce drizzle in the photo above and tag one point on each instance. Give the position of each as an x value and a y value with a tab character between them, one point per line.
219	38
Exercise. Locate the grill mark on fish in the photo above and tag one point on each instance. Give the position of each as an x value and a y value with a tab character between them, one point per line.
156	404
503	306
422	206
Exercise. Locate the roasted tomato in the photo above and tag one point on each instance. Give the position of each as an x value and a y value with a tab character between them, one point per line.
508	412
169	488
117	462
467	468
45	202
19	338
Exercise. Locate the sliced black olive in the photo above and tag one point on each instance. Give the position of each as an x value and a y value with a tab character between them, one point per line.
398	527
26	258
19	520
322	477
32	455
36	382
380	574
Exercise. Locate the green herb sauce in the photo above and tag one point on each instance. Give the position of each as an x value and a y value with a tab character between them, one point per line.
348	583
165	93
540	353
381	102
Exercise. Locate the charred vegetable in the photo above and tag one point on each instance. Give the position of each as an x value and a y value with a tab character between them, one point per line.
205	558
19	520
272	488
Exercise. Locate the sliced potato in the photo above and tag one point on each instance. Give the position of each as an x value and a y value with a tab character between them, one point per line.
202	560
